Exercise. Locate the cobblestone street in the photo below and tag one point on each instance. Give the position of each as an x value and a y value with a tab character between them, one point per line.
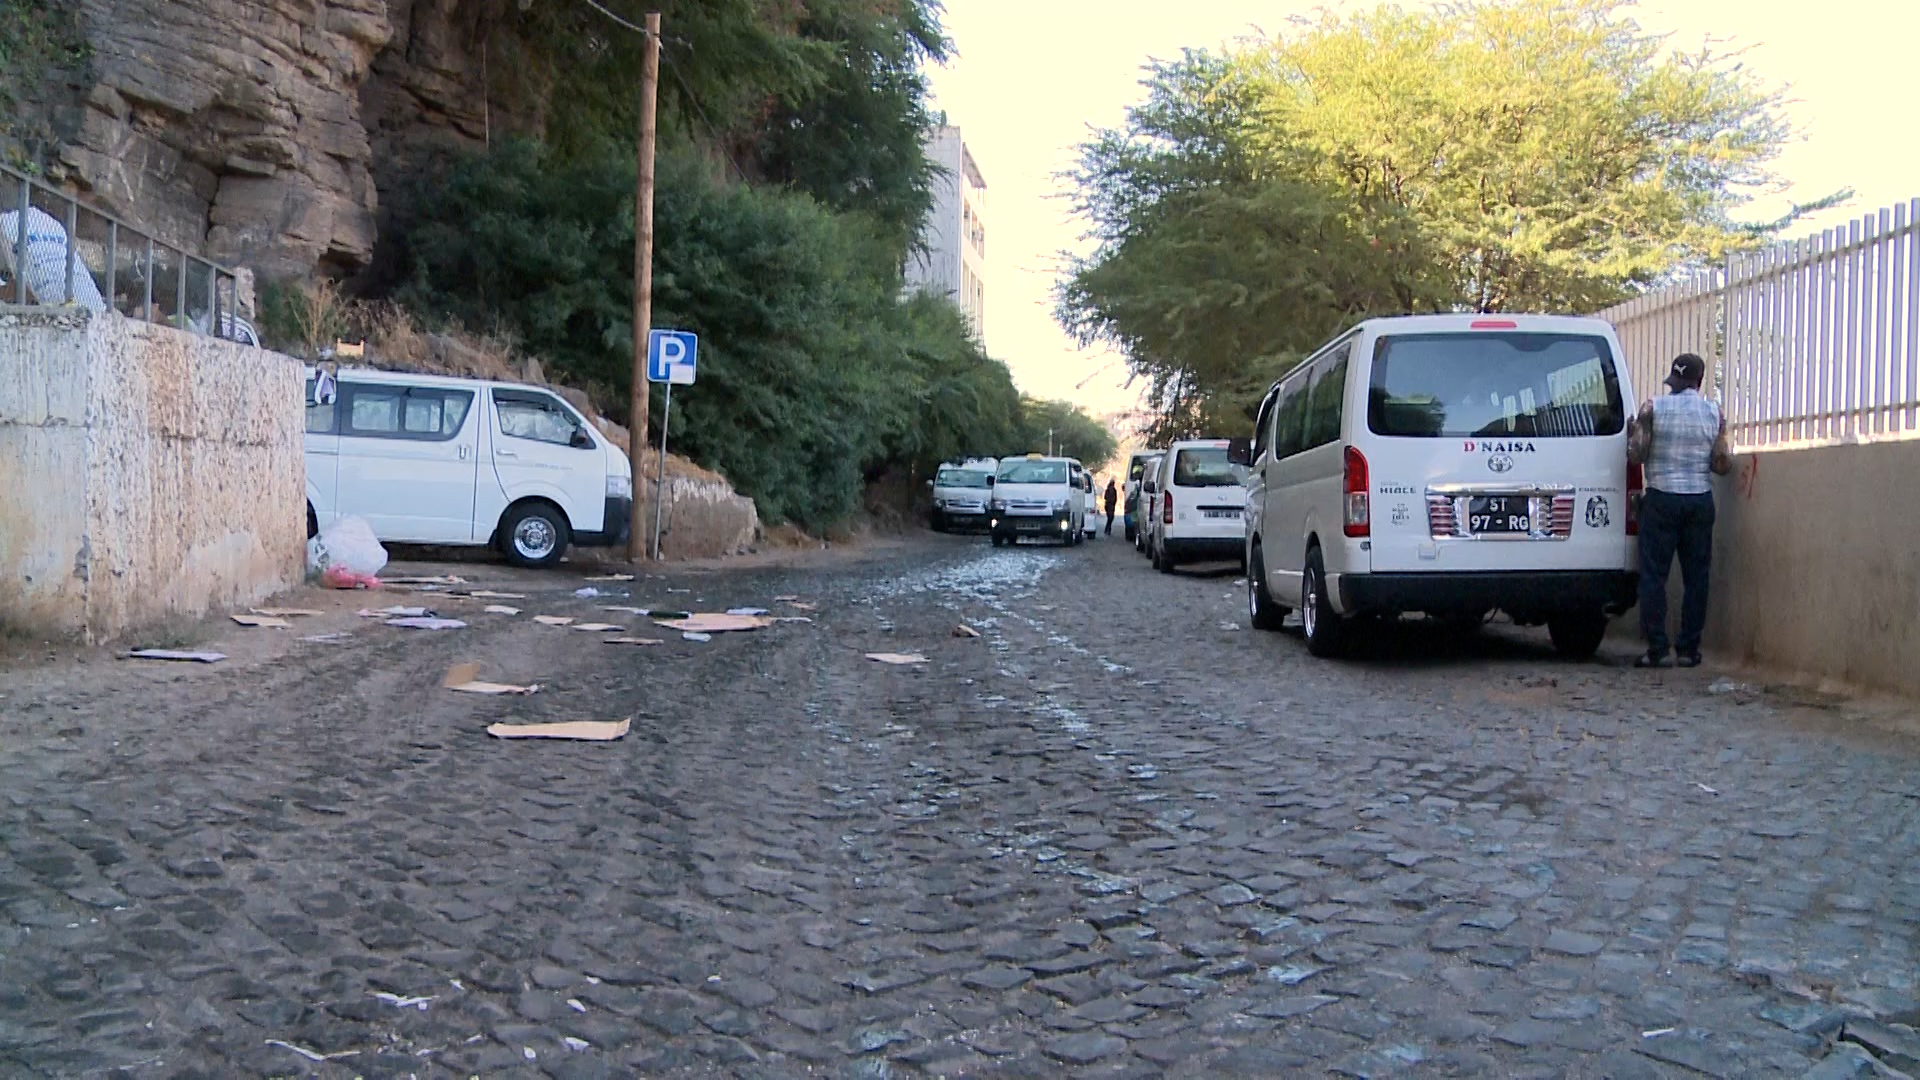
1120	833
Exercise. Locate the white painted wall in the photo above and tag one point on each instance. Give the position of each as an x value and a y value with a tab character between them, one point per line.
955	236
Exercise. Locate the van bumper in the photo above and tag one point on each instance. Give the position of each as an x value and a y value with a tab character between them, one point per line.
614	527
1205	548
1523	593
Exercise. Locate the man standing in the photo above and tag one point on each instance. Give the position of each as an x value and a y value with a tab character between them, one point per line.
1113	498
1680	439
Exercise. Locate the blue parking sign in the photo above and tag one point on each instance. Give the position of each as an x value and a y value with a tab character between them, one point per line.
670	356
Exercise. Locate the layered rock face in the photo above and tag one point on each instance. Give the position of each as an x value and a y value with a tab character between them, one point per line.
241	128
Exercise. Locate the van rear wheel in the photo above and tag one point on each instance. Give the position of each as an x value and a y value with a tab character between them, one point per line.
1322	626
1577	634
534	535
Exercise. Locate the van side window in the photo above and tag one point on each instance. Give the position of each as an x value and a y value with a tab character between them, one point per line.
401	412
319	417
1328	398
538	417
1290	418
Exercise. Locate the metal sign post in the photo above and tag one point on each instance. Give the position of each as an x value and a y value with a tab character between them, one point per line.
670	359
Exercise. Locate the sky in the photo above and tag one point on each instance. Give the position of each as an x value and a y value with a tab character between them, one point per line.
1032	78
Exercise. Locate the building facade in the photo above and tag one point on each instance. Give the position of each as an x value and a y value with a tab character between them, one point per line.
953	261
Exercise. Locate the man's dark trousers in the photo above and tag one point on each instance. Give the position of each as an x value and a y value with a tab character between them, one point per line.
1674	525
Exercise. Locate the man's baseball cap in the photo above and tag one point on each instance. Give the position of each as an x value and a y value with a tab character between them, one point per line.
1688	371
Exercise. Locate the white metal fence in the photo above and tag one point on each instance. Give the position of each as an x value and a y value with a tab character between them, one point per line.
1812	341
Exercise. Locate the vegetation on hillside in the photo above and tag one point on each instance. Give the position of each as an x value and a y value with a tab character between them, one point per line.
791	185
37	39
1063	428
1488	155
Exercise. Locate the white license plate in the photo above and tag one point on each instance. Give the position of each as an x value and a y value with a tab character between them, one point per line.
1220	513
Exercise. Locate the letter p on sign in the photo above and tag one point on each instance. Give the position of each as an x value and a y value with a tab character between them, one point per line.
671	356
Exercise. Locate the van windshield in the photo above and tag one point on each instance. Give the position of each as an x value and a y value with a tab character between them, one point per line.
1474	385
1207	468
1033	472
960	478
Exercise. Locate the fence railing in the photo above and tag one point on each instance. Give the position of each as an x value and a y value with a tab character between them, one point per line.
56	250
1812	341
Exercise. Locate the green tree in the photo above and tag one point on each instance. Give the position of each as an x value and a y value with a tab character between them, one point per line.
815	372
1488	155
1061	427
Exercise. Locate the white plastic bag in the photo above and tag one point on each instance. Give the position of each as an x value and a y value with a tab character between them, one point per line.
348	543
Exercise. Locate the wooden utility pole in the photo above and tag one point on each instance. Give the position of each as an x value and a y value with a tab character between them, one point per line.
642	281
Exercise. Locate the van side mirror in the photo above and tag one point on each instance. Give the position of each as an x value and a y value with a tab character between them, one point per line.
990	479
580	440
1240	451
929	485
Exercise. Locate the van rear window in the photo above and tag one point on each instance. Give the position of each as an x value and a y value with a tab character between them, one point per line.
1487	385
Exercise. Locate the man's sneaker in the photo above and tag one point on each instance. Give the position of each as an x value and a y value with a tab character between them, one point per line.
1651	659
1687	660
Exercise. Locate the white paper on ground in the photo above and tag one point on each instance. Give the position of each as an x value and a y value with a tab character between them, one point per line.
427	624
553	620
897	658
589	730
178	654
502	609
264	621
465	679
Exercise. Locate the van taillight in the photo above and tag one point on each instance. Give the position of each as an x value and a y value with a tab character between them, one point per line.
1636	489
1166	514
1359	521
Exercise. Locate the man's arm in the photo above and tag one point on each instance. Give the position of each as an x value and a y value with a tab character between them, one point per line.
1722	461
1640	435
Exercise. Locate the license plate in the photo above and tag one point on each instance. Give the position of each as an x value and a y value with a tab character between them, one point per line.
1219	513
1500	514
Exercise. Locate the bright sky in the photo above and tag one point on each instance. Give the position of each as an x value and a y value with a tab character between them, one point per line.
1034	76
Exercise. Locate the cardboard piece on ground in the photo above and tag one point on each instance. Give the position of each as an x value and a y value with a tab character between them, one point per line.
465	679
634	641
897	658
611	577
708	623
798	606
784	598
501	609
487	594
285	612
395	612
625	609
178	654
269	621
590	730
746	611
553	620
427	624
598	627
963	630
791	618
446	579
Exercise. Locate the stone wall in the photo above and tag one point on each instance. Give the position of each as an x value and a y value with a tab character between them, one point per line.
145	474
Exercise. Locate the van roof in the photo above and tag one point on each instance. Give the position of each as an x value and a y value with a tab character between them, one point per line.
377	375
1427	324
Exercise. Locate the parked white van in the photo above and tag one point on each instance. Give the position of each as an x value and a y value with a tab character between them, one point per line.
1038	496
435	460
1451	465
1201	496
960	494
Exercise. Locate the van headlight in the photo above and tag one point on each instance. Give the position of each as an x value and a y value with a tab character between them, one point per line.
619	486
997	505
1059	504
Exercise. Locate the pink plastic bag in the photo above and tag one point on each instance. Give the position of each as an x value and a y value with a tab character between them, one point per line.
339	577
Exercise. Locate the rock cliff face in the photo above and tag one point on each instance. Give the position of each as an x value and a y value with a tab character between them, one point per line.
247	129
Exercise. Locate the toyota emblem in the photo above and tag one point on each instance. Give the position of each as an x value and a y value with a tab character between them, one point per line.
1500	463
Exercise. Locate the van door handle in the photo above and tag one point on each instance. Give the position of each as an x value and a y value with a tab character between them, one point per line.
464	450
505	453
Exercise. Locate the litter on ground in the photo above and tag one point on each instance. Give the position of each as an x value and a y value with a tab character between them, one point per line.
589	730
444	579
633	641
553	620
487	594
395	612
268	621
465	679
501	609
798	606
694	635
897	658
312	1055
786	598
399	1002
625	609
611	577
598	627
963	630
746	611
336	638
665	613
791	618
285	612
339	577
427	624
187	655
708	623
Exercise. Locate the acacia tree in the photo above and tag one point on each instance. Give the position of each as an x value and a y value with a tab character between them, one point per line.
1489	155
